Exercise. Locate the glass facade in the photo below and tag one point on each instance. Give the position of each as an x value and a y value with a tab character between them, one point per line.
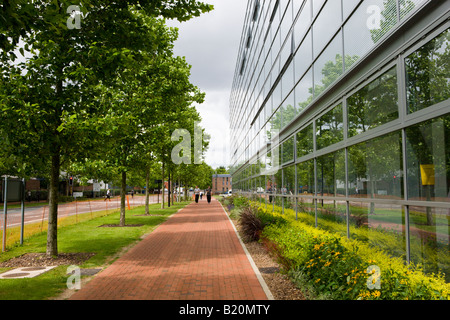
340	110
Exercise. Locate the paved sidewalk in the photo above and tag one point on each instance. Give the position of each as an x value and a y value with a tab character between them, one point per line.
194	255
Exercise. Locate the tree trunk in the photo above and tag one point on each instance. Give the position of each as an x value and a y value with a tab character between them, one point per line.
168	191
147	191
162	188
52	232
179	190
123	190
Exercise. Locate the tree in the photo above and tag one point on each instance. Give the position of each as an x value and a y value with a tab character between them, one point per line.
221	170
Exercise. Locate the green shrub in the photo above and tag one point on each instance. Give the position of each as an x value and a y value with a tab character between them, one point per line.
239	201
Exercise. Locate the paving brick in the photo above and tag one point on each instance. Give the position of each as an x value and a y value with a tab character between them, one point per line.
195	254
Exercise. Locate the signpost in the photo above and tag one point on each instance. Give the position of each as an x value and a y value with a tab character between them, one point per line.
22	210
77	194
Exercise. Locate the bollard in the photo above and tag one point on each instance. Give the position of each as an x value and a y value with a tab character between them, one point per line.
43	215
5	214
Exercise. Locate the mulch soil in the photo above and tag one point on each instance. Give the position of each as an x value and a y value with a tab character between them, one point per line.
43	260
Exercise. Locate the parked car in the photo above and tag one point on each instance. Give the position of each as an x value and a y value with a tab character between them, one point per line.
229	193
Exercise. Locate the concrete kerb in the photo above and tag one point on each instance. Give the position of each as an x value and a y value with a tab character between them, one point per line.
250	259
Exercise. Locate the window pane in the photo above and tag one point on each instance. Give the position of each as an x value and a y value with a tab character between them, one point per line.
429	238
331	174
303	57
306	211
332	216
305	178
278	181
287	81
428	160
408	6
305	141
326	25
328	67
289	109
288	150
303	92
270	185
317	4
287	19
373	105
428	73
375	168
303	22
289	180
276	96
379	225
277	120
330	128
268	164
348	6
373	19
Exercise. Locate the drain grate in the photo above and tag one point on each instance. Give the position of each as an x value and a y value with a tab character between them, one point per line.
16	275
86	272
269	270
19	273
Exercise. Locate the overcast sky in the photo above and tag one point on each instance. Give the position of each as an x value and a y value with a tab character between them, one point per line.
210	44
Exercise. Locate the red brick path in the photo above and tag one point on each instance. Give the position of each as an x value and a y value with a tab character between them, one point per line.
195	254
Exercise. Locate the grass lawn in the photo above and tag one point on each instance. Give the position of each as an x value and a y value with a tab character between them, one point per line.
86	236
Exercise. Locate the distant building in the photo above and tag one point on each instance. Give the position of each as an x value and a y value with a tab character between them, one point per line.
221	183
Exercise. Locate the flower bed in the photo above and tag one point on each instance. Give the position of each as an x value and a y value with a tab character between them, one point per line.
334	267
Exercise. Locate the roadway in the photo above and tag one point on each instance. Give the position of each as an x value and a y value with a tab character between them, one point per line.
39	212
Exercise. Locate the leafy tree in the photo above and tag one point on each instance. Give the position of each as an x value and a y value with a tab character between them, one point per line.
221	170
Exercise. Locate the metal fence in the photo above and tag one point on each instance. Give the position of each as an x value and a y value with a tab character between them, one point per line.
15	216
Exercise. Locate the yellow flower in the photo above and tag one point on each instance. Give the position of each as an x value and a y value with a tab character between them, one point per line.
317	280
376	293
327	264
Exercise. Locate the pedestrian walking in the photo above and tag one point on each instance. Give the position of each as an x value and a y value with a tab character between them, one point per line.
208	194
108	195
201	195
196	193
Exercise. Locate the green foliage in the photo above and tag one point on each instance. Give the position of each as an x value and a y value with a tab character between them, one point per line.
338	268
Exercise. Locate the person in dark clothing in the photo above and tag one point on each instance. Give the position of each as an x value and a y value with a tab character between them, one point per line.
208	194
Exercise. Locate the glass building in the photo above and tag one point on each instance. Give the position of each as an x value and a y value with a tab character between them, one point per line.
340	111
